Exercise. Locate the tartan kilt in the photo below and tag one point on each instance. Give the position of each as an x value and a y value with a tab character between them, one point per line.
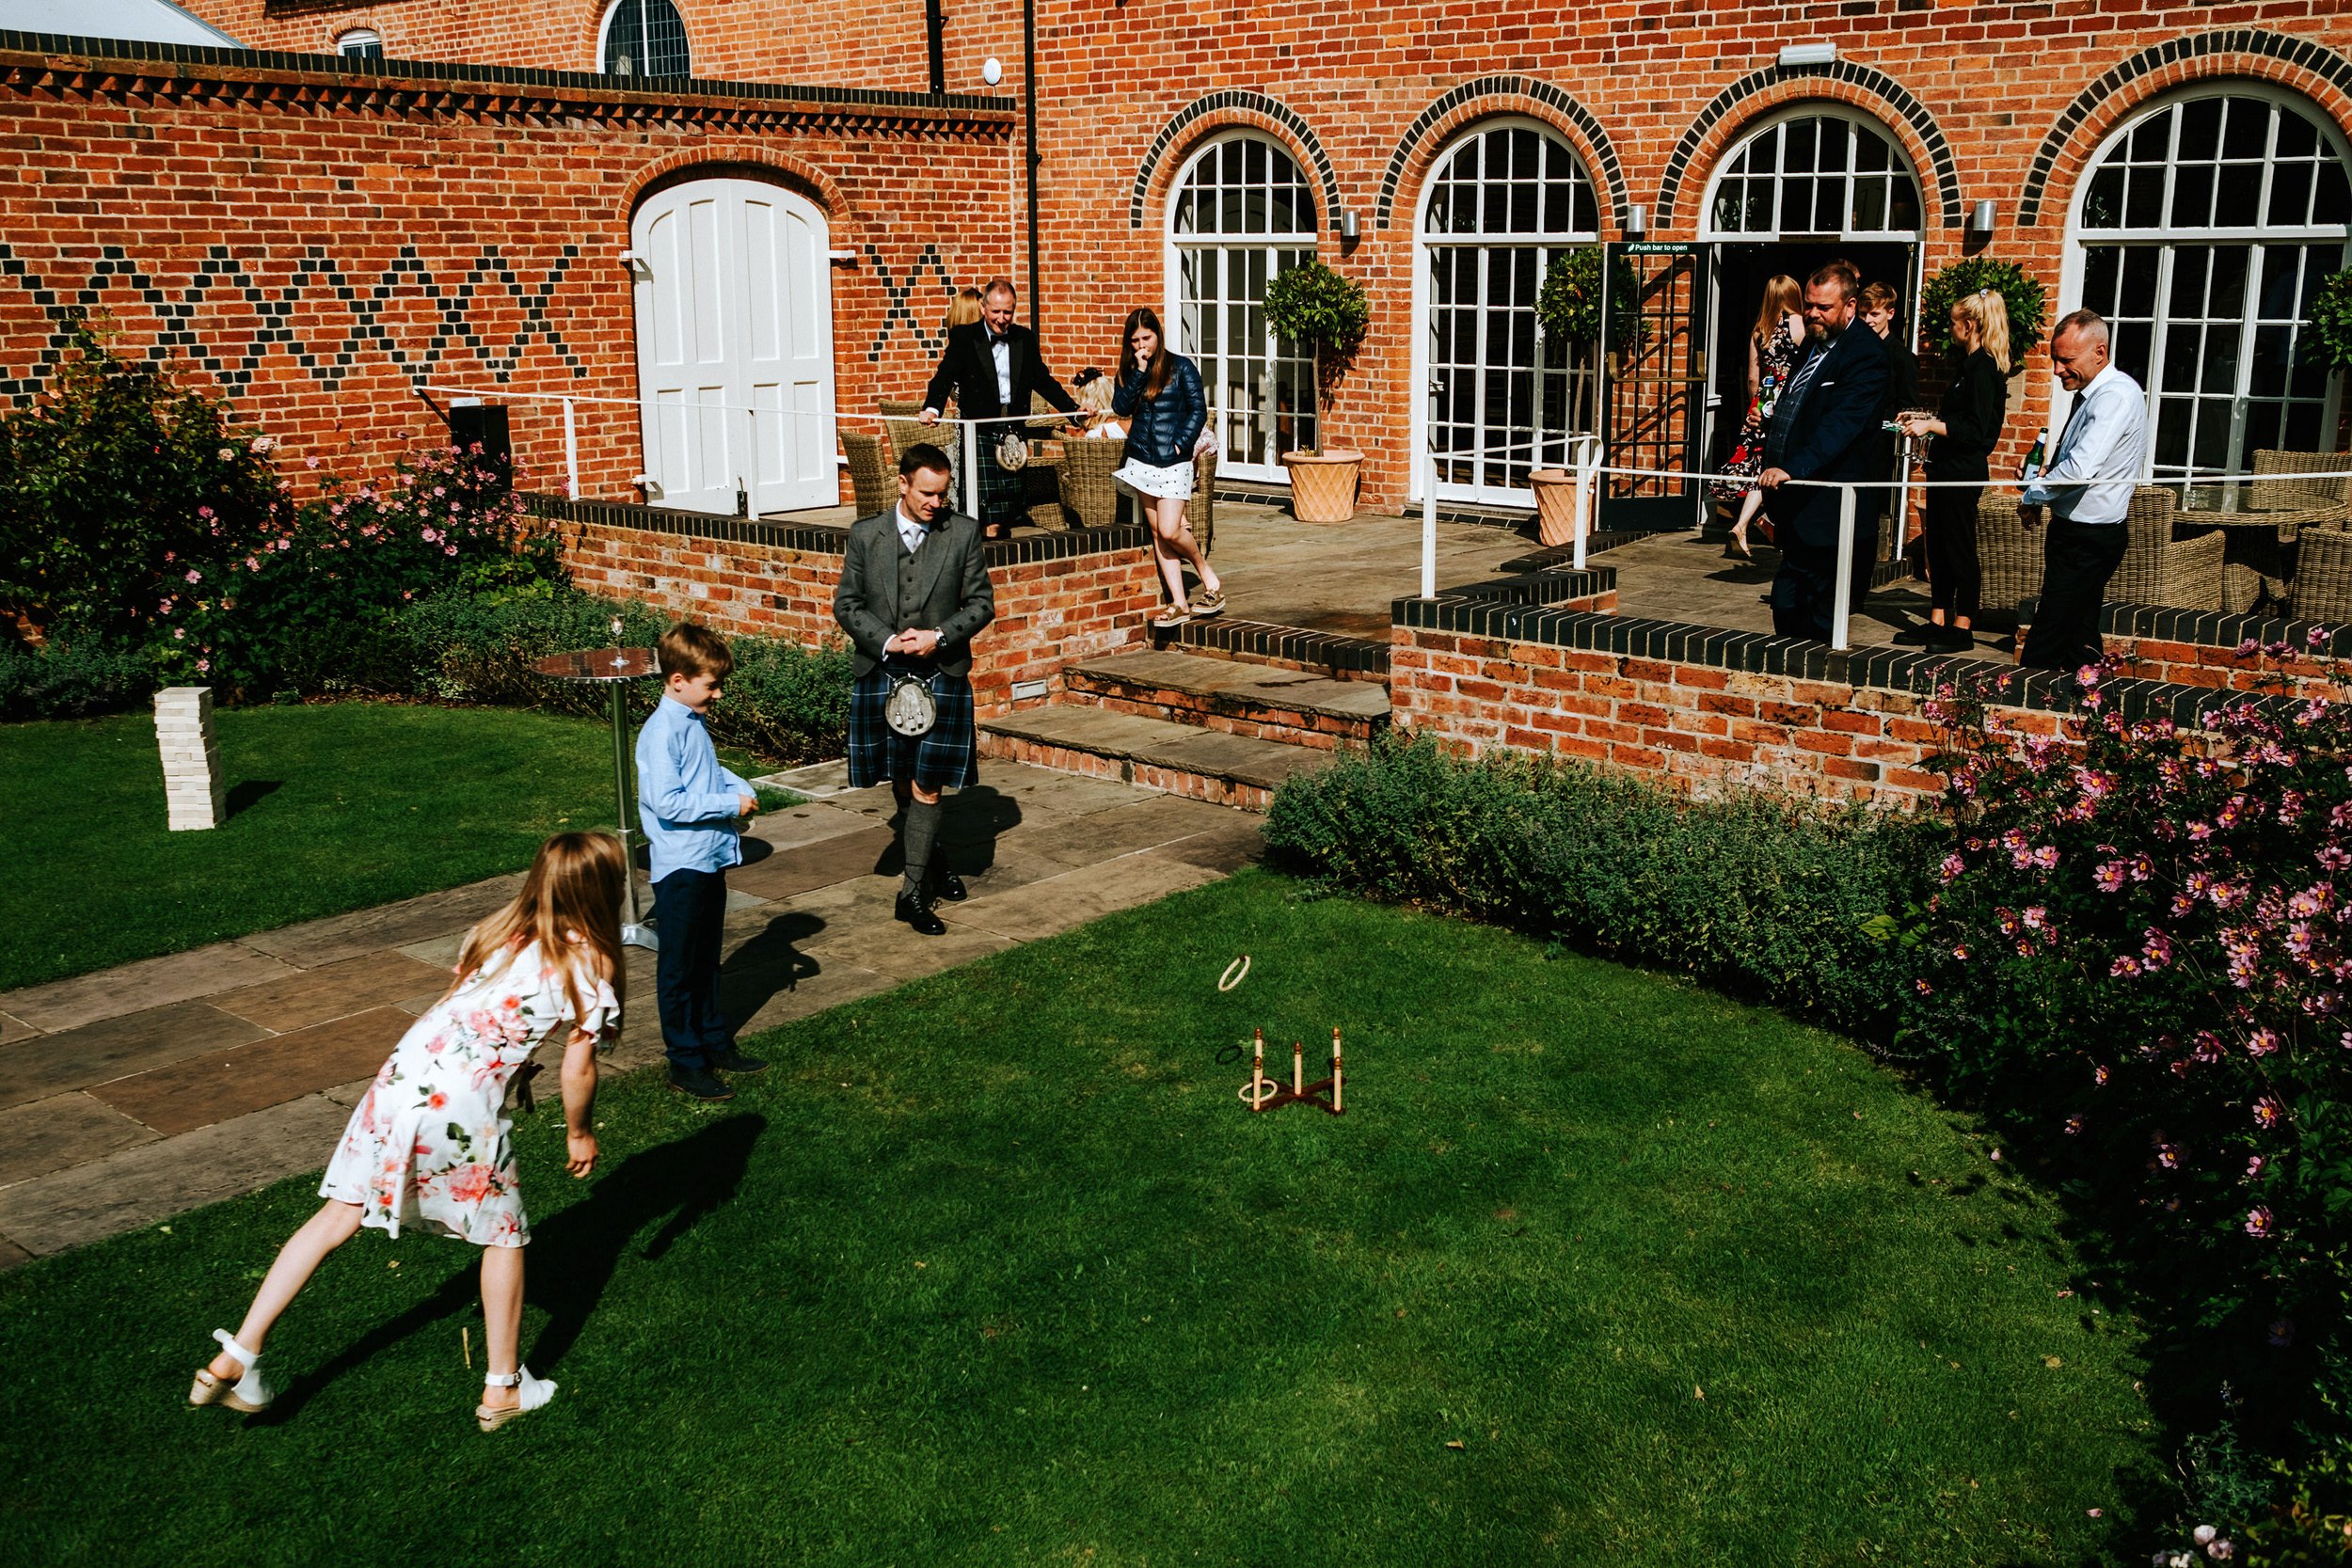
947	757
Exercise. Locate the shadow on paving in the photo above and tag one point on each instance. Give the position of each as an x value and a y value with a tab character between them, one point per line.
573	1256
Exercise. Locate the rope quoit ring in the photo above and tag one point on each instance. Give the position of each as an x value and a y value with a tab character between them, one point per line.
1235	973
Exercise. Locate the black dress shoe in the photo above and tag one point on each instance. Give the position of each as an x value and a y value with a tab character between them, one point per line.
918	915
732	1060
700	1083
1952	639
949	886
1918	636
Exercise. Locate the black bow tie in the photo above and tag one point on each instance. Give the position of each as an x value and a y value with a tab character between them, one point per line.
1004	340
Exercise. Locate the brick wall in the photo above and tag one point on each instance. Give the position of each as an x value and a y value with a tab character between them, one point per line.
1061	598
318	242
1706	711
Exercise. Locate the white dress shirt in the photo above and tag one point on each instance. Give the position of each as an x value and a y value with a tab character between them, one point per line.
2106	437
1002	349
911	533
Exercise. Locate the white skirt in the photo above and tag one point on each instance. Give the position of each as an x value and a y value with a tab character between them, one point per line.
1173	482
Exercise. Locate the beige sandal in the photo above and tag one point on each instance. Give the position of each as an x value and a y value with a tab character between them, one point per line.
1169	620
250	1393
1206	604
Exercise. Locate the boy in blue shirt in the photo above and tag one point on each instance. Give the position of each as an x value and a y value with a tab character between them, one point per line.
689	808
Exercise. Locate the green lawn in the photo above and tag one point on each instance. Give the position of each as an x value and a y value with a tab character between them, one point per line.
1599	1268
333	807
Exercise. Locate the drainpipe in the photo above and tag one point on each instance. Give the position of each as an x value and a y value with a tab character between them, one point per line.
1028	79
935	27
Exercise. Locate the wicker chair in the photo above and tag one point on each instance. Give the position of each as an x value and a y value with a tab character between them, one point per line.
2009	556
2322	589
2158	569
1201	510
1088	491
2297	494
873	472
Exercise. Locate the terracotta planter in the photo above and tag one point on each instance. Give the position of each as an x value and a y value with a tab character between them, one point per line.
1323	484
1555	505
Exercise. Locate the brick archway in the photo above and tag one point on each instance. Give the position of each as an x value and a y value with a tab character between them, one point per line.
2311	69
719	158
1846	82
1487	96
1231	108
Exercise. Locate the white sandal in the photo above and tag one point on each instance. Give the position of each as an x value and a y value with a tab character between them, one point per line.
535	1391
251	1393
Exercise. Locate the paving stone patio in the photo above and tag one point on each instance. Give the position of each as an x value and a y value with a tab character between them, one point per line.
136	1093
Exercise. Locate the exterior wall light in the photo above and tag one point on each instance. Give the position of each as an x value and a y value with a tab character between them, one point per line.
1351	227
991	71
1808	53
1980	217
1636	222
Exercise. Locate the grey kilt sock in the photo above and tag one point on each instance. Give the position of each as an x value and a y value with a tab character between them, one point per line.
921	832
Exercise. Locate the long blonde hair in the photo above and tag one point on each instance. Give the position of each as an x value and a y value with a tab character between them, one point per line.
570	904
1989	312
1782	299
965	309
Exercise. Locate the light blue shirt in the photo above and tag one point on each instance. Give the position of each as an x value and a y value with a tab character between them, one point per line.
687	803
2106	437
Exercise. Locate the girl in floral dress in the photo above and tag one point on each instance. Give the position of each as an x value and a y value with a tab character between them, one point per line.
427	1146
1774	349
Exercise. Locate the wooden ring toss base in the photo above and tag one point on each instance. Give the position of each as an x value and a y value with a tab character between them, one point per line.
1264	1094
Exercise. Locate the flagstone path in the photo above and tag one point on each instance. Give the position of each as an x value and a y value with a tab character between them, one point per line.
134	1094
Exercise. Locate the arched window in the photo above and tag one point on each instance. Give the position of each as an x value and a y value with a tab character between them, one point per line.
1501	203
360	43
2203	232
1815	172
1241	212
644	37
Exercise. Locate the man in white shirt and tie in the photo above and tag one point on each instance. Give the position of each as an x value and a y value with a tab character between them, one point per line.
2106	437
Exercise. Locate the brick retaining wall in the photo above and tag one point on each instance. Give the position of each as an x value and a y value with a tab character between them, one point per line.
1061	598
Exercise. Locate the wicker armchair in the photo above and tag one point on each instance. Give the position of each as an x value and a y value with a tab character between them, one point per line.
2297	494
2322	589
1086	490
2010	557
873	472
2158	569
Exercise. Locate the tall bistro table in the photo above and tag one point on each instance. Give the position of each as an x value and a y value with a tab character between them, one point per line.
614	668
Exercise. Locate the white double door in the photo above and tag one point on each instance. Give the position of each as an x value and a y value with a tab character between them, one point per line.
735	347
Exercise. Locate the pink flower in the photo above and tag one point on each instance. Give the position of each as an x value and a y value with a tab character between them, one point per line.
2036	917
2110	876
2099	1077
2258	1221
2263	1042
2254	1163
2268	1110
2073	1124
204	666
195	576
2207	1047
2124	964
2155	948
2046	856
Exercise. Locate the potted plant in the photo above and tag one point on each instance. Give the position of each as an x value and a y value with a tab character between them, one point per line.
1314	306
2027	300
1569	309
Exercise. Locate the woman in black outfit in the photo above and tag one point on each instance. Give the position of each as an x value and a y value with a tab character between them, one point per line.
1966	427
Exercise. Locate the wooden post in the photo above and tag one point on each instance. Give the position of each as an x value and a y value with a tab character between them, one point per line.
1257	1075
1337	1104
1298	1069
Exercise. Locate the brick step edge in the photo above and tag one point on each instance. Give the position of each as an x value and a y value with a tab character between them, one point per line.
1066	759
1217	711
1268	643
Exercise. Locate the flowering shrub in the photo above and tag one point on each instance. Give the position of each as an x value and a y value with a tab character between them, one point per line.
288	607
121	495
2139	950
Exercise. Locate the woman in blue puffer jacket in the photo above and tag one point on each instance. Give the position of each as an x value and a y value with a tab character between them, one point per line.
1160	393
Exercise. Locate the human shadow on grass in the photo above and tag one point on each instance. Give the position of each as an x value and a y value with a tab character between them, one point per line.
574	1255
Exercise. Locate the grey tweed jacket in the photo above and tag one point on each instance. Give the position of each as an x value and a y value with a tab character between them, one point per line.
951	591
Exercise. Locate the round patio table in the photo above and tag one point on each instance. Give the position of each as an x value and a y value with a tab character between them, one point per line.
2255	564
614	668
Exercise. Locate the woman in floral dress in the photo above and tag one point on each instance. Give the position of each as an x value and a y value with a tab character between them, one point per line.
1774	349
427	1146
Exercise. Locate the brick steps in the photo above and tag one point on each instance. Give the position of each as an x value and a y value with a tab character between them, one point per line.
1331	655
1264	702
1183	759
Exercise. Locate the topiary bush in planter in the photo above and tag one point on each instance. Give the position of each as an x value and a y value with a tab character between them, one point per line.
2027	300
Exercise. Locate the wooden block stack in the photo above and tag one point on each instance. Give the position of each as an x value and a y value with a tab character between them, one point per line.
183	731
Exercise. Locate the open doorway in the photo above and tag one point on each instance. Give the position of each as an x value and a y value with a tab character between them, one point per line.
1742	270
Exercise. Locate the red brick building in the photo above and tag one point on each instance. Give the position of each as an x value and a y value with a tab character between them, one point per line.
329	234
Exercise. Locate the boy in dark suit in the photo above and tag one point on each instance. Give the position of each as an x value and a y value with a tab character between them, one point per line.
914	594
1825	428
990	367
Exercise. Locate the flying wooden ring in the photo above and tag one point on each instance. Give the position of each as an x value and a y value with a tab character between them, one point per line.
1235	973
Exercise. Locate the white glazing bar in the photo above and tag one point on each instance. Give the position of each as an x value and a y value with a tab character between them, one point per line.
1842	605
1428	523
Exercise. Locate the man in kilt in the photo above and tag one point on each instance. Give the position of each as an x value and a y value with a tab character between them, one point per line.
914	594
990	368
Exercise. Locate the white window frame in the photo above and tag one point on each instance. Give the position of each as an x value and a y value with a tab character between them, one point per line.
1809	108
2075	261
604	33
1232	465
1424	242
352	43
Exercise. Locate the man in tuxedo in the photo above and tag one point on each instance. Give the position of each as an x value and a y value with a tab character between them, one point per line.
914	594
990	367
1825	428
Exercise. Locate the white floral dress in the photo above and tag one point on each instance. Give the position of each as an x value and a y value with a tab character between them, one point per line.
427	1145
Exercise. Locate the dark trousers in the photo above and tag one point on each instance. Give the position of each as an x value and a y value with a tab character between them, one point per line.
1949	531
2077	560
1804	591
690	911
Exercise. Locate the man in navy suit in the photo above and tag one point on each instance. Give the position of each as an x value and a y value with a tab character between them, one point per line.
1825	428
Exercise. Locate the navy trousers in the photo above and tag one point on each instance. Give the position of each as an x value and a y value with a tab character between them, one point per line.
1804	591
690	911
